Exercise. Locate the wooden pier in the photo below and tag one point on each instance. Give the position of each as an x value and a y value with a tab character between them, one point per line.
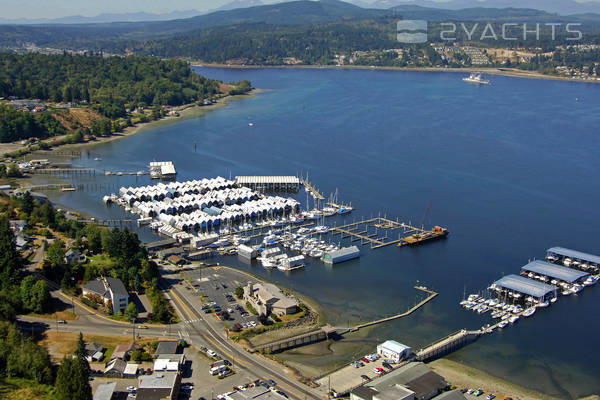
413	234
447	345
317	335
57	186
411	310
64	171
314	192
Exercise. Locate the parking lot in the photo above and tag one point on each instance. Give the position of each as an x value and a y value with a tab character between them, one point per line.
216	284
350	376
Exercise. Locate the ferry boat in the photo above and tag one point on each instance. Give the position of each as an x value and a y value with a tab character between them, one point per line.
476	78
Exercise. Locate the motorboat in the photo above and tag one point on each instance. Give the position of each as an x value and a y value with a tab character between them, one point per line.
529	312
543	304
344	210
513	319
475	77
502	324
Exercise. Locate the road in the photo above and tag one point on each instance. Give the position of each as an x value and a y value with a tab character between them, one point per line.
195	329
202	330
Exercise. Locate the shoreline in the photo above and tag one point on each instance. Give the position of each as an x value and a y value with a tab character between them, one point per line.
185	111
462	375
487	70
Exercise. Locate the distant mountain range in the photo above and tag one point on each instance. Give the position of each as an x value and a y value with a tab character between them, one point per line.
239	7
562	7
103	18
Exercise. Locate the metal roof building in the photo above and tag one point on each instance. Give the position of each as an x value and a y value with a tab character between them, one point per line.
525	286
554	271
577	255
341	255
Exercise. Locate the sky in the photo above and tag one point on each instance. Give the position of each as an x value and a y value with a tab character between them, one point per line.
11	9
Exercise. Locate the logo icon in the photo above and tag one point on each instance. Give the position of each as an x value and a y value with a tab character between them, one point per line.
411	31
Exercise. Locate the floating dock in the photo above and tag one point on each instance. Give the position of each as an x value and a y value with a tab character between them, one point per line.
269	183
362	231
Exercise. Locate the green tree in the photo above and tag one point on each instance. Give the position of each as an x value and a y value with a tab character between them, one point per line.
72	380
10	259
26	203
131	312
239	292
13	171
40	297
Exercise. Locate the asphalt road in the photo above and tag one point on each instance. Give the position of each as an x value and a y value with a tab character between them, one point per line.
204	330
198	329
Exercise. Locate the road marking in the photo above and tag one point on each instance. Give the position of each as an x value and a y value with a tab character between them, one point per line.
222	350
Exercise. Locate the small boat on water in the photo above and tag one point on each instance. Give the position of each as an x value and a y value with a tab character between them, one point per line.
502	324
329	211
97	159
513	319
344	210
529	312
476	78
543	304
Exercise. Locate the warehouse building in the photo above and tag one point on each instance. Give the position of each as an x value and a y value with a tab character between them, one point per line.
393	350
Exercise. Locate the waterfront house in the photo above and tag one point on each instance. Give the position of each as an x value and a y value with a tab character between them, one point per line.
393	350
109	289
267	298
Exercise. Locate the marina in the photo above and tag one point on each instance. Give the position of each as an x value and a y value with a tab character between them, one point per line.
480	200
538	286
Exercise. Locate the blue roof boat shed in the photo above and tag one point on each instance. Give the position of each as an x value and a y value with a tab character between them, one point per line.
525	286
574	254
555	271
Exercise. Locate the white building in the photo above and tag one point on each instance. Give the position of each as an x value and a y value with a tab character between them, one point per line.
393	350
109	289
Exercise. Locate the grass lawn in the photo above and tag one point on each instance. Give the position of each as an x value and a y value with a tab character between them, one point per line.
18	389
61	343
102	261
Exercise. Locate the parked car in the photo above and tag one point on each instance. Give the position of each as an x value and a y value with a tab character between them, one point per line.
381	370
377	371
388	366
271	382
142	327
62	321
364	360
478	392
211	353
365	377
491	396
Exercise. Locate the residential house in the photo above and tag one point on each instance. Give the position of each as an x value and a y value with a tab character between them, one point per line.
123	351
115	368
109	289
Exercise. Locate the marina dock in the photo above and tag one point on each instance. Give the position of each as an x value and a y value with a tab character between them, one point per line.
414	308
313	191
447	345
362	231
270	183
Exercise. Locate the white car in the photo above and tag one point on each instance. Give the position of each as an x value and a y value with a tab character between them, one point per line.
211	353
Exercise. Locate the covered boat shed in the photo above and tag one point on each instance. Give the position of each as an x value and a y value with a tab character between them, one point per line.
554	271
592	260
528	287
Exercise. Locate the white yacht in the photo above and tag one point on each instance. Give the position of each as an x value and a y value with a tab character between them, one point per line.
529	312
476	78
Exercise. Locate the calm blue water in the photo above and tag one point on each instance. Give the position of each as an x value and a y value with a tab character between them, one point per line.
511	169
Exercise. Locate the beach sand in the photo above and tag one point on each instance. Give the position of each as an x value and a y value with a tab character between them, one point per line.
463	376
